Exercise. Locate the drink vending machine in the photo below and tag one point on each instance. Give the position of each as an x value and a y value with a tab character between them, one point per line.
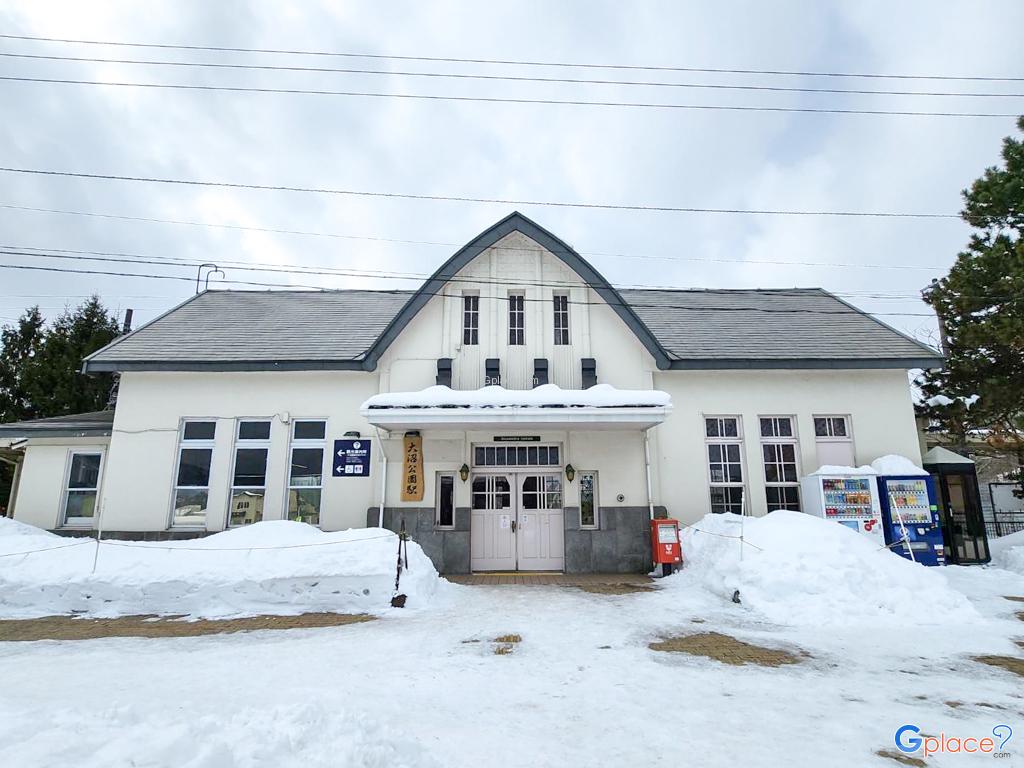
850	500
911	516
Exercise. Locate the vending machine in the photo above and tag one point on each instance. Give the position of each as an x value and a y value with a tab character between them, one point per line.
850	500
911	515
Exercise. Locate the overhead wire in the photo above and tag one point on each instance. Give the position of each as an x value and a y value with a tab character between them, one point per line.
466	198
504	99
501	78
512	62
629	305
341	236
300	269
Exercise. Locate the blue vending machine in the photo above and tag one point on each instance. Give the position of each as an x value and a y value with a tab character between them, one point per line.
909	505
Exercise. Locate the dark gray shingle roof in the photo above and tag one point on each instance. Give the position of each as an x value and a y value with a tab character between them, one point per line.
784	328
757	324
292	328
92	423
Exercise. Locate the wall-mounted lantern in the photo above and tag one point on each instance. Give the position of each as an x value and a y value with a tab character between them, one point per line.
570	472
464	472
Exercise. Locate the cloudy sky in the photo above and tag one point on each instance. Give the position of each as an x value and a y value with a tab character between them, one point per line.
566	153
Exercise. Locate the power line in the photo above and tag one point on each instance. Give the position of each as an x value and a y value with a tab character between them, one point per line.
505	99
337	235
466	199
512	62
300	269
632	305
501	78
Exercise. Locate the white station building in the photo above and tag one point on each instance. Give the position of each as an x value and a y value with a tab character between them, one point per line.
516	412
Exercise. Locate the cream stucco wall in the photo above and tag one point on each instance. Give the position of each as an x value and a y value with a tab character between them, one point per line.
878	402
141	461
139	466
515	264
43	475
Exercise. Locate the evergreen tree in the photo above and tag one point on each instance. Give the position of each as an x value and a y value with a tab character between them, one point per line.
40	368
19	344
980	304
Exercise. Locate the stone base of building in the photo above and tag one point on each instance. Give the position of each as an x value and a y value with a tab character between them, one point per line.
620	544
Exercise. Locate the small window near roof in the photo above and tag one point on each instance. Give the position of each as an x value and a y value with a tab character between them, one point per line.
561	318
470	319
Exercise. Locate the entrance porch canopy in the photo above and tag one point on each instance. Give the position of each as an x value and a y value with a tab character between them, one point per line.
547	406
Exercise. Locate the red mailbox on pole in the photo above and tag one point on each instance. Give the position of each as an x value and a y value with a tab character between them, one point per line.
665	548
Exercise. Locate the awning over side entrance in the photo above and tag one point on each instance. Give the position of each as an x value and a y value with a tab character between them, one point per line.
550	406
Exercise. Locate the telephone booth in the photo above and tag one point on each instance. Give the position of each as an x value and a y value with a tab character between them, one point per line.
963	524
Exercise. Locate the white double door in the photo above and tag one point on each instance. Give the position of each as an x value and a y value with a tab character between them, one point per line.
517	522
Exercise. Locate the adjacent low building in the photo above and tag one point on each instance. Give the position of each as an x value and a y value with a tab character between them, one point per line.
517	412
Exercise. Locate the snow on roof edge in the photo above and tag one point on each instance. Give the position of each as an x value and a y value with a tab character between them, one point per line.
544	396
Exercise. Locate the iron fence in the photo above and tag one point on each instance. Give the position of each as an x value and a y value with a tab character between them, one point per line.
1003	523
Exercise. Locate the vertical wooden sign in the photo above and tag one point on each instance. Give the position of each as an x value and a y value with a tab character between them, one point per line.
412	471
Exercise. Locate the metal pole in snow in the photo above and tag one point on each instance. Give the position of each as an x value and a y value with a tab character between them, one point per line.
743	515
99	535
903	528
647	468
383	478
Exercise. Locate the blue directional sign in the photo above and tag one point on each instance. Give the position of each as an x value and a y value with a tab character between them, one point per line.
351	458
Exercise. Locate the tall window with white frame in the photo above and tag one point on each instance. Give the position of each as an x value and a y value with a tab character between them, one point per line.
470	319
516	319
82	488
588	500
724	438
249	476
445	506
561	318
781	467
834	440
306	470
192	478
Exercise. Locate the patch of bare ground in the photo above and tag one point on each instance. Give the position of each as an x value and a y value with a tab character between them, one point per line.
615	589
899	757
505	644
725	649
81	628
1009	663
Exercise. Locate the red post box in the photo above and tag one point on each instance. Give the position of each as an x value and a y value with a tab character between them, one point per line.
665	547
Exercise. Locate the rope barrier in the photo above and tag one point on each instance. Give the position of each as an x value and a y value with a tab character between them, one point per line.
49	549
145	545
723	536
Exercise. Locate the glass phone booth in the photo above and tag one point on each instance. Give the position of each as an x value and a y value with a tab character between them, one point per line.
963	524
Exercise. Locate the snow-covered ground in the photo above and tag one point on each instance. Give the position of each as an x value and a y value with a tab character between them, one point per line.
422	687
275	567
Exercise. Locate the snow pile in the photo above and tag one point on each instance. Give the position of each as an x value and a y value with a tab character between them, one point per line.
274	567
836	470
1008	552
243	736
894	465
801	570
544	396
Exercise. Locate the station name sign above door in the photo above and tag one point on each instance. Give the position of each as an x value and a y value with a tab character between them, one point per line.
517	438
351	458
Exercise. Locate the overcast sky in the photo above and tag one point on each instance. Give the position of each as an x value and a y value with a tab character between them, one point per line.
510	151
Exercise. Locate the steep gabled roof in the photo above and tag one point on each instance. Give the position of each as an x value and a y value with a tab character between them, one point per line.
351	329
516	222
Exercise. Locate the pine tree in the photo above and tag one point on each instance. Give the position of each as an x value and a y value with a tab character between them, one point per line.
40	368
980	304
19	344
